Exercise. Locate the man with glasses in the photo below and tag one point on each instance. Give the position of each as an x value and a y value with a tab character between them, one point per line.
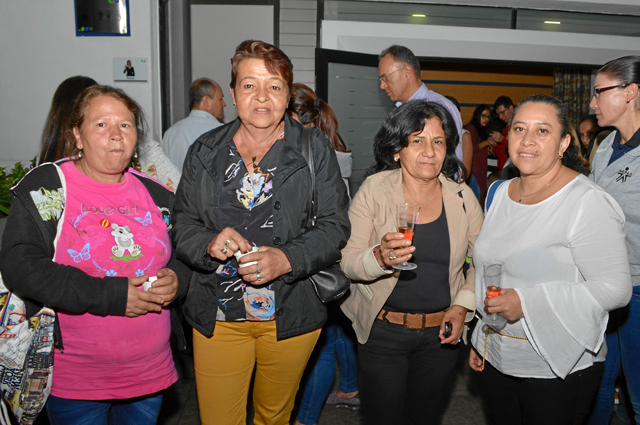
504	109
399	72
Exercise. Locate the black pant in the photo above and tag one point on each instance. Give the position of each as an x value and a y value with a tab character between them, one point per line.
404	375
532	401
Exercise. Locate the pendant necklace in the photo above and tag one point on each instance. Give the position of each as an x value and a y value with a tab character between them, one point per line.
420	206
531	194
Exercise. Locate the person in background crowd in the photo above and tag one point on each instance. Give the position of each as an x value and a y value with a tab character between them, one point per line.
587	128
467	150
477	128
112	357
504	110
616	167
399	72
581	149
336	337
57	124
246	185
207	109
563	277
405	359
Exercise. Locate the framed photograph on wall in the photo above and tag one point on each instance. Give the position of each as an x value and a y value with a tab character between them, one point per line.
104	18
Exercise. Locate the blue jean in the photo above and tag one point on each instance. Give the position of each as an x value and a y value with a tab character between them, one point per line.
135	411
604	401
335	339
629	335
623	345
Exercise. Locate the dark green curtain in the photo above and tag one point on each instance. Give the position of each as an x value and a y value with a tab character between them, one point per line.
573	87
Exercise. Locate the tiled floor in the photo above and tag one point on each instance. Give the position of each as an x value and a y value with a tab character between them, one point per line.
180	405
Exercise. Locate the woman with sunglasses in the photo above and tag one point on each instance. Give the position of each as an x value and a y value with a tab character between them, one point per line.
616	167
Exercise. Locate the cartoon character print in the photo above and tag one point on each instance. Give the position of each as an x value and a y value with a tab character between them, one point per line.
124	241
256	189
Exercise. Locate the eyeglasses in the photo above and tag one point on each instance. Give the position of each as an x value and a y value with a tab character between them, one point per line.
383	78
501	113
485	115
596	92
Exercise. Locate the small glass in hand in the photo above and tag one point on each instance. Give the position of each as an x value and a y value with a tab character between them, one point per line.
407	217
492	276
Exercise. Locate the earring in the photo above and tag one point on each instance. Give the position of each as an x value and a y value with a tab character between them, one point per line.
234	104
395	159
80	154
560	156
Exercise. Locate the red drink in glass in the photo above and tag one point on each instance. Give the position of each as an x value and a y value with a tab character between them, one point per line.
407	232
493	291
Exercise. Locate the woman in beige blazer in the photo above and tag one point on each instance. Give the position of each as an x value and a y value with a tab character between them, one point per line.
405	359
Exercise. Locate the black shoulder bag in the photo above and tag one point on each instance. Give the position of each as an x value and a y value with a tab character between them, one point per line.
330	283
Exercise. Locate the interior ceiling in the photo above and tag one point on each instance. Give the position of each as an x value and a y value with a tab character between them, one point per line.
616	7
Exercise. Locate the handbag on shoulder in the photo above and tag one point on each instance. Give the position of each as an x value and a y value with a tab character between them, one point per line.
330	283
26	358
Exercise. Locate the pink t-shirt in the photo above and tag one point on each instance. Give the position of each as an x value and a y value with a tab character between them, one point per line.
112	230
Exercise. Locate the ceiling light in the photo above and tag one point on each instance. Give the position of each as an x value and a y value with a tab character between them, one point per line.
552	22
419	15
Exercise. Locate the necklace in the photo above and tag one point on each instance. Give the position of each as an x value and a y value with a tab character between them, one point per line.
531	194
420	206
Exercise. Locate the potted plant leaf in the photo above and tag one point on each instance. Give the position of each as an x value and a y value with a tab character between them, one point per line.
8	179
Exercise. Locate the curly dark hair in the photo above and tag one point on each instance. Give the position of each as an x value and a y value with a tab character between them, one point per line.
410	118
570	157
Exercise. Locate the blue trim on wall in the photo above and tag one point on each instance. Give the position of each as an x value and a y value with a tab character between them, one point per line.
486	83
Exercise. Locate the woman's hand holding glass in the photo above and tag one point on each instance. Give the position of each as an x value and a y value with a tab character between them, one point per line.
394	244
226	243
507	305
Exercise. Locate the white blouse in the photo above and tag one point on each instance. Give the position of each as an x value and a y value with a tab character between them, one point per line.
567	259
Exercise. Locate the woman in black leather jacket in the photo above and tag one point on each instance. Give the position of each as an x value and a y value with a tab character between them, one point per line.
247	185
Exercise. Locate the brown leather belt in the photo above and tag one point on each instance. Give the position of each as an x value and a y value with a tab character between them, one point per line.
411	320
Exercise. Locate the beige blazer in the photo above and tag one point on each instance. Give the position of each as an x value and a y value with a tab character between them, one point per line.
372	215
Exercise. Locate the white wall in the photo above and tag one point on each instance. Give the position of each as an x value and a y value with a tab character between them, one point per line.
40	49
216	31
477	43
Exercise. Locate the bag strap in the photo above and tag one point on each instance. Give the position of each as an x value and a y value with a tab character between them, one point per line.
307	153
491	193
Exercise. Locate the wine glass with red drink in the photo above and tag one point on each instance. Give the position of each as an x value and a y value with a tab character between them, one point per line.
407	217
492	276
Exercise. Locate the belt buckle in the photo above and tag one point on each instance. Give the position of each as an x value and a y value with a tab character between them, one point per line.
404	322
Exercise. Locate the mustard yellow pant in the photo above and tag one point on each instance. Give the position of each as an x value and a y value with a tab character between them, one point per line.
224	364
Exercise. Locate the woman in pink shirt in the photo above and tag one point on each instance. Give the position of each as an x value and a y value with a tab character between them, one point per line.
83	236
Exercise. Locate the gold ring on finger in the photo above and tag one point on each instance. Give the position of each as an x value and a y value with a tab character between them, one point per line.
227	242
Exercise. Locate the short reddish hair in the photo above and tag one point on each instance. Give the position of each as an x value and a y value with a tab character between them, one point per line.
275	60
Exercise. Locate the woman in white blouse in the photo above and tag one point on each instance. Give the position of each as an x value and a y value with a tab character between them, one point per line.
561	239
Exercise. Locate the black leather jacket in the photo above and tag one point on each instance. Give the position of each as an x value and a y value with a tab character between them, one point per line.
196	222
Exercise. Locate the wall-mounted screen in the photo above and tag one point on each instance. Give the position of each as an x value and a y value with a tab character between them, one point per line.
102	18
